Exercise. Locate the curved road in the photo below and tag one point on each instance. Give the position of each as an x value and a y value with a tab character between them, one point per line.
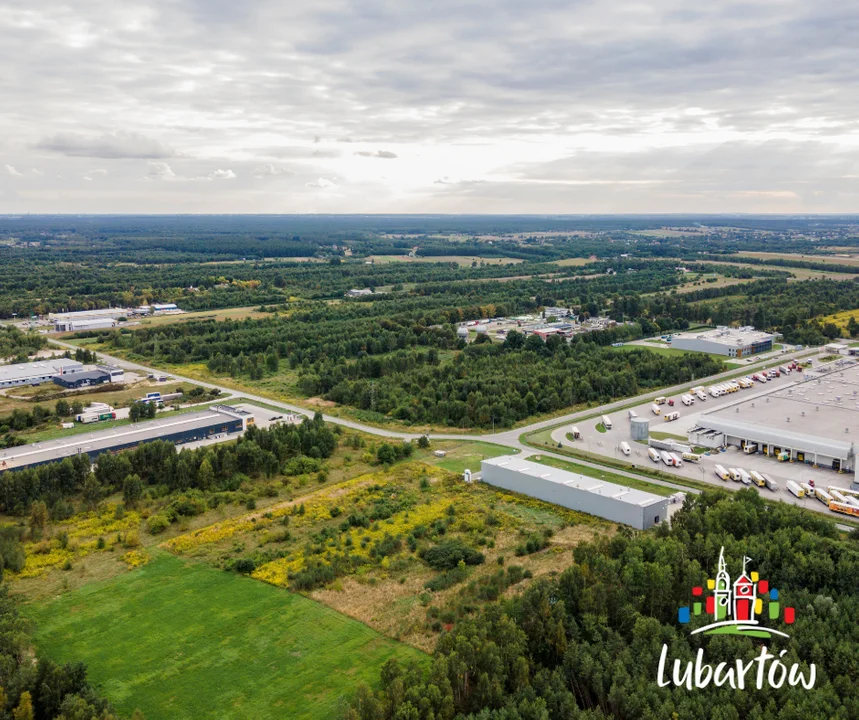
507	438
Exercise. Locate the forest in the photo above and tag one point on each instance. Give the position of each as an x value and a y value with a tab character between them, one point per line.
586	643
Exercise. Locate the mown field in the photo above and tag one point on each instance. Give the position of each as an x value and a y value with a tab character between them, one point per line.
182	641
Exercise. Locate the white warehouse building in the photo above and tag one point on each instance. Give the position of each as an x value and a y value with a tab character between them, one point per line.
589	495
36	373
87	319
731	342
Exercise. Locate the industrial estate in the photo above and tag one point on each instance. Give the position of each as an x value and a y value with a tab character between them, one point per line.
337	474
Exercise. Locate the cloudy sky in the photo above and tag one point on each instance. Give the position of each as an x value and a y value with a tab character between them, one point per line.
459	106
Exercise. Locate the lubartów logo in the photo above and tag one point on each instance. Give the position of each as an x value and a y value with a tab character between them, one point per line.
736	609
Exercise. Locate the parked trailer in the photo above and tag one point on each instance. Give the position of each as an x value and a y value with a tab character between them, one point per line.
809	490
671	416
844	491
823	496
795	489
632	414
687	399
714	391
666	458
721	473
625	449
661	400
771	484
745	478
837	496
576	434
678	461
757	478
606	421
655	408
700	394
654	454
853	501
784	369
750	448
844	508
735	474
690	457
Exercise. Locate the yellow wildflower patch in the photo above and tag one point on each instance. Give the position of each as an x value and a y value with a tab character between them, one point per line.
135	558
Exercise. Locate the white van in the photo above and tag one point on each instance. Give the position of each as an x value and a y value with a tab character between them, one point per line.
625	449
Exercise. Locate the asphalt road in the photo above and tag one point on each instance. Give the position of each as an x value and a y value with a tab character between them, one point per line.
506	438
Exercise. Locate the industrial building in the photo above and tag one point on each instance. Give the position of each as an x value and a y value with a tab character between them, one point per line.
731	342
164	308
36	373
814	420
589	495
84	378
217	420
87	319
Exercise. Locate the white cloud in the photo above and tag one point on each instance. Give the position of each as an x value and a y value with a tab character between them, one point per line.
12	170
321	183
384	154
160	171
107	145
221	175
270	170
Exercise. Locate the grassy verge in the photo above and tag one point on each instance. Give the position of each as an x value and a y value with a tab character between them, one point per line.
181	640
460	455
603	475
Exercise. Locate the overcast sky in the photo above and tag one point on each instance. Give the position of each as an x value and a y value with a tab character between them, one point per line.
460	106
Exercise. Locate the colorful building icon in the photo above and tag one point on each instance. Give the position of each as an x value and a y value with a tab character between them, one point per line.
735	609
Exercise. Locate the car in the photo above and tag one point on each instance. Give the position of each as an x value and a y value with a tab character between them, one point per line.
275	417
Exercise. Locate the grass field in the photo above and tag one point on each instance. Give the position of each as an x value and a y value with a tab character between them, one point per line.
462	455
822	259
182	641
463	260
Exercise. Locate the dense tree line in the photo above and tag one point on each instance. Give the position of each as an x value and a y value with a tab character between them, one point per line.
587	642
162	464
17	346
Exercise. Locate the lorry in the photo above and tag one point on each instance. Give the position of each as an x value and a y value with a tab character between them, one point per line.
625	449
757	478
632	414
784	369
606	421
687	399
656	409
671	416
654	454
795	489
770	483
721	473
750	448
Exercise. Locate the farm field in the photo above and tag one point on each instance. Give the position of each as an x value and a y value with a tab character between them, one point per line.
239	313
841	319
182	641
463	260
823	259
462	455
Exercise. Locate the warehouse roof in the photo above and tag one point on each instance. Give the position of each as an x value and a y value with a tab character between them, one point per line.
84	375
20	371
730	337
818	414
89	314
70	445
581	482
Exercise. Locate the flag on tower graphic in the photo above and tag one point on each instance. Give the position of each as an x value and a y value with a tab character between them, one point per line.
735	609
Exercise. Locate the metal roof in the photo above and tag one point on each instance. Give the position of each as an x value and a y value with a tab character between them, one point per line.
575	480
22	371
25	455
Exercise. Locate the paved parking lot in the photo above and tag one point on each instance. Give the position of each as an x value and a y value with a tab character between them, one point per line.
608	444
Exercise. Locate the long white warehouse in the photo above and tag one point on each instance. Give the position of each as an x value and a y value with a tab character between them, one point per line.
589	495
36	373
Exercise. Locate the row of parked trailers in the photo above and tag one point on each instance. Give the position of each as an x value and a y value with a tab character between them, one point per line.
672	459
746	477
837	499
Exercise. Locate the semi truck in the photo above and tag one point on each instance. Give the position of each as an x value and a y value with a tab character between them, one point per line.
625	449
795	489
721	473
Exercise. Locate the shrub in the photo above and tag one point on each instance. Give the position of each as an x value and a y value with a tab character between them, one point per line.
131	539
533	544
157	524
447	579
446	555
245	566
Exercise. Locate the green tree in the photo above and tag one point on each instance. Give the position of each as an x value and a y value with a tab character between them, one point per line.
24	711
132	490
62	408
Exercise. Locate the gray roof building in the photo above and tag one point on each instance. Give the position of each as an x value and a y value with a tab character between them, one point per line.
577	492
35	373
